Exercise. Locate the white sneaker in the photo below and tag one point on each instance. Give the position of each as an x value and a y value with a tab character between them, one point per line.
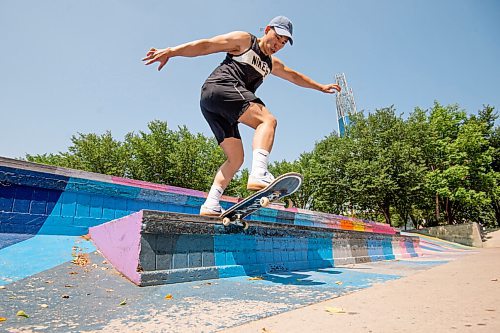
257	182
211	211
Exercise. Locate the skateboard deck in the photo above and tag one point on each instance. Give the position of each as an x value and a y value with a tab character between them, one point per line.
282	186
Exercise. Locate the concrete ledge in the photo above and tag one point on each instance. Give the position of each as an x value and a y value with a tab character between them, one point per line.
48	200
152	247
466	234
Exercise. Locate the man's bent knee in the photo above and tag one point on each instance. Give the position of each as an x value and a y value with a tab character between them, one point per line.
256	115
271	120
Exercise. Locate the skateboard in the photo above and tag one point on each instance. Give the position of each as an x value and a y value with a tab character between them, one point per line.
282	186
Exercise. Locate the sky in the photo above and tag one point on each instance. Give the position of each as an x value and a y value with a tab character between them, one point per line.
69	67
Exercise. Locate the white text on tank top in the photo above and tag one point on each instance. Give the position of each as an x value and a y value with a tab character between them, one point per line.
251	58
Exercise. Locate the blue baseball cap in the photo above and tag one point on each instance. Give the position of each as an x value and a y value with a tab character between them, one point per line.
283	27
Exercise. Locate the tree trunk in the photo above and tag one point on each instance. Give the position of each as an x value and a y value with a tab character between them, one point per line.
437	207
449	213
414	220
496	207
387	213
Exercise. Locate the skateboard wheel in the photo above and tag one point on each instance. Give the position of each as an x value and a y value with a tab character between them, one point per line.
245	225
226	221
264	201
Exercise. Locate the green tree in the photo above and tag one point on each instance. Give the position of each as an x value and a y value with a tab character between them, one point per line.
90	152
495	190
330	186
459	164
160	155
177	158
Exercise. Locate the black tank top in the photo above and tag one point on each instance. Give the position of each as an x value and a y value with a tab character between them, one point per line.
248	69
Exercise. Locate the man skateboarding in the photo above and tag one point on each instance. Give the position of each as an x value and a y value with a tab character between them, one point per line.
228	98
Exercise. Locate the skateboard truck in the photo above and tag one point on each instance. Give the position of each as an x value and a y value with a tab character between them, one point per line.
226	221
282	186
237	220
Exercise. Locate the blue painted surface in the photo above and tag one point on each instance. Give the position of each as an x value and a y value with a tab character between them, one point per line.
330	278
24	209
7	239
37	254
32	178
241	254
33	202
388	251
410	248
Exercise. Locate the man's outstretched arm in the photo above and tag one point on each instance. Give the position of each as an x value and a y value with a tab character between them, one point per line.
286	73
233	42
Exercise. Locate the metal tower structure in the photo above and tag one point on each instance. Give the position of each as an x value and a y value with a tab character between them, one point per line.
345	103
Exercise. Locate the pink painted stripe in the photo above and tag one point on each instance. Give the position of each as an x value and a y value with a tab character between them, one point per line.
157	187
120	242
165	188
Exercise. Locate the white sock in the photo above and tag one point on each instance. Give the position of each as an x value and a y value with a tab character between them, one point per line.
213	197
260	161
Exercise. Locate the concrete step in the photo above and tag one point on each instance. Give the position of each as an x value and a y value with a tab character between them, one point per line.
154	247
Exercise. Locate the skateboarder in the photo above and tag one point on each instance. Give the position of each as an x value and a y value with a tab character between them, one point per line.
228	97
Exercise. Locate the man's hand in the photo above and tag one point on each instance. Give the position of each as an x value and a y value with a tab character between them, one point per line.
330	88
155	55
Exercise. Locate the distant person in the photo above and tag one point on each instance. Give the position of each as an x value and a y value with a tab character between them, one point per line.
228	97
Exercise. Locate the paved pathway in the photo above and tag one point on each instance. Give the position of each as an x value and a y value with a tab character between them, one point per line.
461	296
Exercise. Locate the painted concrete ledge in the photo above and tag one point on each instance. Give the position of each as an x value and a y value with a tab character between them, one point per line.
153	247
48	200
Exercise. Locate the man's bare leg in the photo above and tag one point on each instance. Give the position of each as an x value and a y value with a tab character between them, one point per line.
258	117
233	149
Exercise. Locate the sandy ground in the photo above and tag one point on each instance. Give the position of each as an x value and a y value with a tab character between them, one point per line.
461	296
492	239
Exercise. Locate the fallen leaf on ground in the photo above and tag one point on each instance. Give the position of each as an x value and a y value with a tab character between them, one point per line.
123	302
2	287
256	278
65	296
169	296
82	259
86	237
3	319
339	283
21	313
332	309
44	306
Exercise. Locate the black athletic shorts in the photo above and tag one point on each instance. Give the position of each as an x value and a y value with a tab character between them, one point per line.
222	104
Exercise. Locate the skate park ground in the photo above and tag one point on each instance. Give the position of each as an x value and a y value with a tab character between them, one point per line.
450	288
